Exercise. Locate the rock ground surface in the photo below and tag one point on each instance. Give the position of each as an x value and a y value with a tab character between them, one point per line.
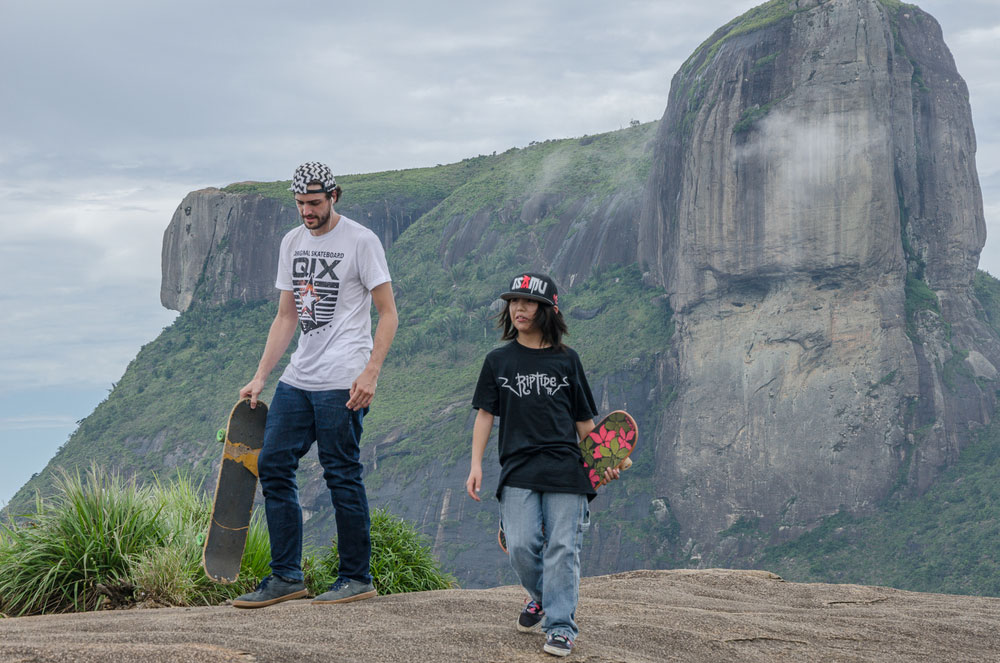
682	615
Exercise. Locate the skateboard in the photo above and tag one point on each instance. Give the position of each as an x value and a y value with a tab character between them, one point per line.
234	492
609	445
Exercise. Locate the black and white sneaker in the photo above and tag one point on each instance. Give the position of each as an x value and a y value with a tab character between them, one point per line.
530	617
558	645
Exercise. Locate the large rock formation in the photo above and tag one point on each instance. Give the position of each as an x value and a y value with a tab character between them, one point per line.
199	244
815	214
222	245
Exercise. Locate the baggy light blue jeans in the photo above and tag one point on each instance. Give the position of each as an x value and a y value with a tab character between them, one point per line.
295	419
548	565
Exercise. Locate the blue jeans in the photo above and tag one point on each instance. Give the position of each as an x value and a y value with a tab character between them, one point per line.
295	420
548	565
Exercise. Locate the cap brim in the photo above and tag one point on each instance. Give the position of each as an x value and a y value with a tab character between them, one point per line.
521	295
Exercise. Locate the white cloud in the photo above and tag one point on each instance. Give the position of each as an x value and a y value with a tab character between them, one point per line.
80	267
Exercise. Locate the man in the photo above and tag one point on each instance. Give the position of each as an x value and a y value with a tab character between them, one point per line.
330	270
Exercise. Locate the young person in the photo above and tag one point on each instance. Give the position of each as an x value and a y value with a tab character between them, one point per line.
536	385
330	270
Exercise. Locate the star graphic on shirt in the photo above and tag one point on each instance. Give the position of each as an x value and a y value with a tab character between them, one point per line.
308	300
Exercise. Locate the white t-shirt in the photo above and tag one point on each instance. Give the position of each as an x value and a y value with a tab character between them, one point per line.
331	277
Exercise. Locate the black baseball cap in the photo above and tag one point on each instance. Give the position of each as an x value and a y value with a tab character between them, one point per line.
529	285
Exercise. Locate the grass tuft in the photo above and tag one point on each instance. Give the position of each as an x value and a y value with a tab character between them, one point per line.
103	541
83	538
401	561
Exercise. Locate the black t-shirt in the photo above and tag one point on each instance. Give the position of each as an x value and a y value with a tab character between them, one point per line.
539	396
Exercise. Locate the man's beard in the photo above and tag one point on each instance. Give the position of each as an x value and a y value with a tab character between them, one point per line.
320	221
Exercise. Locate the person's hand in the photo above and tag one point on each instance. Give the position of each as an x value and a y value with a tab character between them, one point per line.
474	483
252	390
612	473
363	390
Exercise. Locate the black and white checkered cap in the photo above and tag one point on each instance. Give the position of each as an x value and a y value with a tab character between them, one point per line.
312	171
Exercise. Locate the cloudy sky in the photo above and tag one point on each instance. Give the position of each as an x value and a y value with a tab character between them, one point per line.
113	110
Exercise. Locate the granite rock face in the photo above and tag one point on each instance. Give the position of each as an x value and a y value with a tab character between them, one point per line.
198	247
223	246
814	174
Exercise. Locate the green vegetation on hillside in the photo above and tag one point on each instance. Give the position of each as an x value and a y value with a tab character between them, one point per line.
942	541
415	184
918	297
757	18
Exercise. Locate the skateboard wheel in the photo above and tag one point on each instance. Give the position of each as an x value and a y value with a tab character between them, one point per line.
200	539
221	435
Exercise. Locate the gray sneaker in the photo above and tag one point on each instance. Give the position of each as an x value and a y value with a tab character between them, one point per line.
345	591
271	590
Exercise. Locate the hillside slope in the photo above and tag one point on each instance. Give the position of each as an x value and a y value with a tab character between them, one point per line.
503	214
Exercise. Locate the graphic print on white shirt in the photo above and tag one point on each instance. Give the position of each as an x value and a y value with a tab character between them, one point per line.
316	287
533	384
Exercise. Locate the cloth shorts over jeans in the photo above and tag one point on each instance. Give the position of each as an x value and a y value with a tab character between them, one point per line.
547	564
295	419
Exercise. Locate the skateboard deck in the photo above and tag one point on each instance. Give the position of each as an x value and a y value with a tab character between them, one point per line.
609	445
234	492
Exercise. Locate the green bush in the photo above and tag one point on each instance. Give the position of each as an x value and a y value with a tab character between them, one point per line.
83	538
173	574
401	561
102	538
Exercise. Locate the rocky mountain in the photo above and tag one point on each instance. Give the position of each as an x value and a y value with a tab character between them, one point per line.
814	213
222	245
775	279
196	257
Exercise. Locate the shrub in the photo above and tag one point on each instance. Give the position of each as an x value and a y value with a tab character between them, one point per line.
401	560
84	538
173	574
103	539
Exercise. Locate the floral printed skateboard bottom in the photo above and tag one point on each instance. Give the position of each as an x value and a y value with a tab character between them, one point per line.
609	445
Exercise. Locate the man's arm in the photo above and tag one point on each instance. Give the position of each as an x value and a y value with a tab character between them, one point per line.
278	338
363	388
